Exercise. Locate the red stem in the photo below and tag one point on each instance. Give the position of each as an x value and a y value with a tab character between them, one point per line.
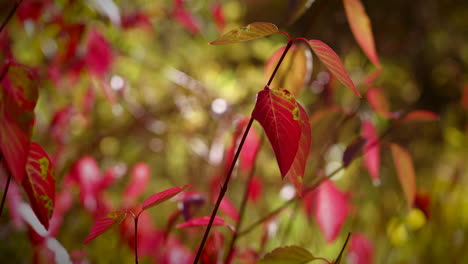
223	191
135	220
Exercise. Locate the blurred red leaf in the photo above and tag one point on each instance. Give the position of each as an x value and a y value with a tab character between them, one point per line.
87	174
140	176
333	63
60	123
251	31
278	113
203	221
136	19
255	189
360	250
361	27
297	170
184	17
218	15
378	101
165	195
423	202
330	208
371	150
295	70
99	55
103	224
228	208
39	183
30	9
420	115
405	171
213	251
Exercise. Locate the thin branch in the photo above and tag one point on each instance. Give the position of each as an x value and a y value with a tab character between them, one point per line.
5	193
288	46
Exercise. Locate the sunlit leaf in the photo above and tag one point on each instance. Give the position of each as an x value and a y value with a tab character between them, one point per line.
333	63
420	115
288	255
297	170
278	113
295	69
330	208
251	31
103	224
378	101
165	195
371	150
39	183
361	27
405	170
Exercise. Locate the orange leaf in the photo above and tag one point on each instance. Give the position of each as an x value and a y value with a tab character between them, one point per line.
405	171
361	28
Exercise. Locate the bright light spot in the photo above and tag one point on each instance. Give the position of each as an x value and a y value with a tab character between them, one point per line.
335	152
29	217
272	228
199	147
117	110
29	27
117	82
287	192
332	167
219	106
156	145
316	87
49	47
323	78
157	126
216	153
61	254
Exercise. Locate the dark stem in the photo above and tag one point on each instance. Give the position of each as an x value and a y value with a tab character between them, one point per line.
5	193
242	207
10	15
223	191
135	220
338	259
288	46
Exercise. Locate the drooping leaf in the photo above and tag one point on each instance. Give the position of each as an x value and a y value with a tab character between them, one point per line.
39	183
103	224
204	221
371	150
420	115
288	255
330	208
361	27
333	63
251	31
278	113
295	69
378	101
297	170
405	171
360	250
352	150
140	176
165	195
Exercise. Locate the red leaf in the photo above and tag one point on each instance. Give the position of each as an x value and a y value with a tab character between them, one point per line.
330	208
39	183
87	174
31	9
214	248
378	101
296	172
99	54
140	177
333	63
160	197
185	18
103	224
228	208
360	250
295	70
371	150
255	189
278	113
203	221
405	170
251	31
218	16
420	115
361	27
60	123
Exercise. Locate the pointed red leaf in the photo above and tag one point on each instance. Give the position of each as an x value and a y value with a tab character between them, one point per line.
99	55
333	63
361	27
297	170
295	70
251	31
360	250
405	170
371	150
39	183
278	113
186	19
165	195
255	189
420	115
103	224
228	208
139	179
378	101
330	208
14	146
204	221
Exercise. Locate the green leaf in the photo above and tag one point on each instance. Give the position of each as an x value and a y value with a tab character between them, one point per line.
288	255
251	31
